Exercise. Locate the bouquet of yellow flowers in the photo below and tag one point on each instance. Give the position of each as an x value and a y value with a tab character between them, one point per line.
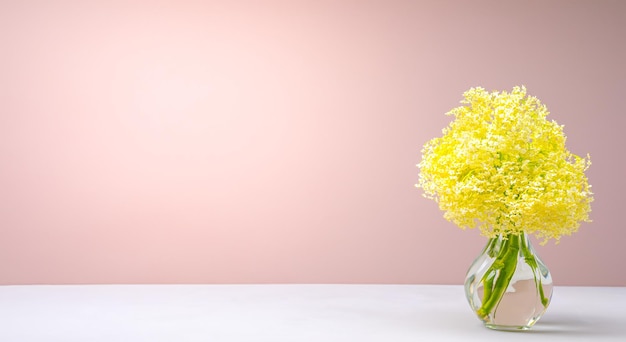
502	166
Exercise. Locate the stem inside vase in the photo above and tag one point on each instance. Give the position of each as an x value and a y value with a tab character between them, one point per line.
508	286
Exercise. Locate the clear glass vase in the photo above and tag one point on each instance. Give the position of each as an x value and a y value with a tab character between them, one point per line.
508	286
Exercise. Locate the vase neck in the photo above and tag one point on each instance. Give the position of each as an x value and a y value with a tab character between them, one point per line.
521	236
502	242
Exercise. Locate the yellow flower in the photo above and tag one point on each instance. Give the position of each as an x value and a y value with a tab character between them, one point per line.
502	166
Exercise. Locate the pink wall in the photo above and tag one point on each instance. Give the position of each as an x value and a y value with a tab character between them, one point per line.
233	142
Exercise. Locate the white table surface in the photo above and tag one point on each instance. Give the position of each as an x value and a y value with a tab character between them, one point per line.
325	313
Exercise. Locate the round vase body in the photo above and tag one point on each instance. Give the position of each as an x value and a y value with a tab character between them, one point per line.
508	286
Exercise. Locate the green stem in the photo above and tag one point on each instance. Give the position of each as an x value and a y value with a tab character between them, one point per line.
505	265
530	259
488	277
488	284
491	251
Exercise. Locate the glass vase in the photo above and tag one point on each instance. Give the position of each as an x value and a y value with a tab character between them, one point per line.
508	286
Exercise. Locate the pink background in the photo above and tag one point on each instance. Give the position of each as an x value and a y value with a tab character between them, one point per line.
276	142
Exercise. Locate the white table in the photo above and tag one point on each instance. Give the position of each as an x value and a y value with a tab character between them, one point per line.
295	313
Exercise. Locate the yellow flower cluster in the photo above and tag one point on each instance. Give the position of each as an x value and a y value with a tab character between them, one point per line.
501	166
